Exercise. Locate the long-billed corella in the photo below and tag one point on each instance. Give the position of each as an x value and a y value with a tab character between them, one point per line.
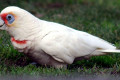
50	43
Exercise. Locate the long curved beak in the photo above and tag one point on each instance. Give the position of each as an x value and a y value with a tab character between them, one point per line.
2	24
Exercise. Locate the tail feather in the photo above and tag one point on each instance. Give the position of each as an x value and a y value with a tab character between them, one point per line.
103	52
109	51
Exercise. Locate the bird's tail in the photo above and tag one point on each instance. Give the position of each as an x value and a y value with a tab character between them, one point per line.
110	51
103	52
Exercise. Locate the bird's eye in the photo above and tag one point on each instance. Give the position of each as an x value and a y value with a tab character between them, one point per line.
10	18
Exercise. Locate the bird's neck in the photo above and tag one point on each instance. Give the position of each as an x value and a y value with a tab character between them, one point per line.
18	41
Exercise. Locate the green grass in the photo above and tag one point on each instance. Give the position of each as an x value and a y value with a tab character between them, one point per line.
100	18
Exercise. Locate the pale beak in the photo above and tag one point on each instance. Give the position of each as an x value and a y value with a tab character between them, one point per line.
2	24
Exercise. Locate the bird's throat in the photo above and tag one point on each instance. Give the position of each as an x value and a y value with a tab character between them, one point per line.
18	41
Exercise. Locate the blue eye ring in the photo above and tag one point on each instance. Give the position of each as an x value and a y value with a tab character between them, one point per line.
10	18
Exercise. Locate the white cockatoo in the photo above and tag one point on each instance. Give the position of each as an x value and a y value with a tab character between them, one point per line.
50	43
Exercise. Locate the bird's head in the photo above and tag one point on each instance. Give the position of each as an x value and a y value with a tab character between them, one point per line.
18	22
11	16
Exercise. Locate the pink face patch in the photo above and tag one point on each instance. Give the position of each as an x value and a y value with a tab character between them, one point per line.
17	41
3	16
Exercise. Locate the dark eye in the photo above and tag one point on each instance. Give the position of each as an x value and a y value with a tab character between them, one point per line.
10	18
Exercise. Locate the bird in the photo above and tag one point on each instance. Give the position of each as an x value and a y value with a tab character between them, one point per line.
50	43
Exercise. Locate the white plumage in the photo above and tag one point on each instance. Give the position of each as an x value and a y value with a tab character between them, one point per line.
50	43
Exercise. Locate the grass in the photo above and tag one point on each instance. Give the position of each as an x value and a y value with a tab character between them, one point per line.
100	18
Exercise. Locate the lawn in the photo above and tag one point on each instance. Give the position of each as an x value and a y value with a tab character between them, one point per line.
98	17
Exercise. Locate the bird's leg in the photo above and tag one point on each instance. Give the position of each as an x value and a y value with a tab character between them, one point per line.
61	66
